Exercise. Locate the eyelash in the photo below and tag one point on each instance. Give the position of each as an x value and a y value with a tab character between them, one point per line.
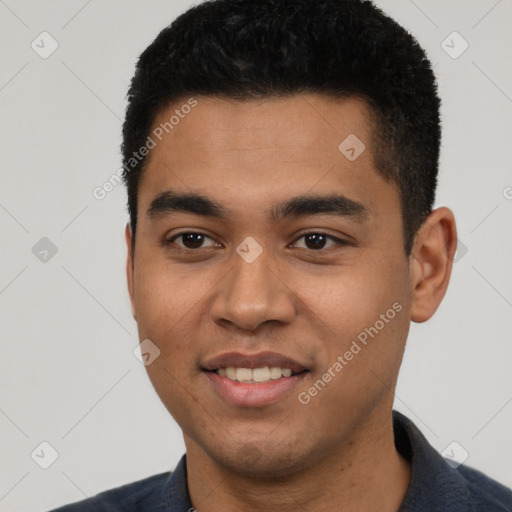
168	241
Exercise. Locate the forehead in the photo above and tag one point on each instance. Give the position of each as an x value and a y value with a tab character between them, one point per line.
295	124
253	152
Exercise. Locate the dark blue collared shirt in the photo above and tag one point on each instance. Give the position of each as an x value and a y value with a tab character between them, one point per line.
434	487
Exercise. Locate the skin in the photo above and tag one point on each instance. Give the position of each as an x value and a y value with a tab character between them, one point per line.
305	303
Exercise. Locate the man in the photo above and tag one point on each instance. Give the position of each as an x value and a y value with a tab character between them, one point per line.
281	162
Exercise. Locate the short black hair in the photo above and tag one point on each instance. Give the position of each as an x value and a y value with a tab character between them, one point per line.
245	49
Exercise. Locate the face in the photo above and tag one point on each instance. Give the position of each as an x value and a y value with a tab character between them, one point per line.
290	261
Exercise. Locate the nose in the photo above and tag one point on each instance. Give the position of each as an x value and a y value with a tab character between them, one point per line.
252	294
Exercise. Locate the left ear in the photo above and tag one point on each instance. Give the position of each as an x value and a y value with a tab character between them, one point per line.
431	263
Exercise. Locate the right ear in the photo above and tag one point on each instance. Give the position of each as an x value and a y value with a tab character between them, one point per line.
130	263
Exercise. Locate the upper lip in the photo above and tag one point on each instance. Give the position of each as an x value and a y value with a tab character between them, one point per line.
258	360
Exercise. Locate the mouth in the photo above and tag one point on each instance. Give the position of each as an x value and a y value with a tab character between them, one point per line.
256	375
253	380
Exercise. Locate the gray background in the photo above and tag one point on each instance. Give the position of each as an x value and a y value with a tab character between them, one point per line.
68	375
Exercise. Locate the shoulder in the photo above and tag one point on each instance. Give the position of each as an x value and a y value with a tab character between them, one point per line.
132	497
484	493
437	485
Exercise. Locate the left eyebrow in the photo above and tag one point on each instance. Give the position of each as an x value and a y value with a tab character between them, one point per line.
301	206
336	205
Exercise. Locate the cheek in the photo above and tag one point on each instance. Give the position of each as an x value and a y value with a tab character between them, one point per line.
365	310
161	297
161	311
357	294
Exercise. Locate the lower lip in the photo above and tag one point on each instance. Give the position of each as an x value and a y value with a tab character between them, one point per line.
243	394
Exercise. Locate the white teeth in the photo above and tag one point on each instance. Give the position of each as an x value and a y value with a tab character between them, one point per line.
275	372
263	374
243	374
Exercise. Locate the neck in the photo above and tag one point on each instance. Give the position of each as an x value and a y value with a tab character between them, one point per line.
365	474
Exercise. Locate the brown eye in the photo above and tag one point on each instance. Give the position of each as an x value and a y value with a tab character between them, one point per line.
190	240
317	241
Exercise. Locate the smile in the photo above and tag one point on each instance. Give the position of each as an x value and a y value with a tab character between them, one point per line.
253	380
264	374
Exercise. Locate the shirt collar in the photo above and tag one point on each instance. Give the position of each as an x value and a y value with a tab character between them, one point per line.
434	484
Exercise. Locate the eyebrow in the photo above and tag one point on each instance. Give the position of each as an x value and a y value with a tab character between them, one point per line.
169	202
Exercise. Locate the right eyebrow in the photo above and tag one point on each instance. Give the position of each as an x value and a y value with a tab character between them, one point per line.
168	202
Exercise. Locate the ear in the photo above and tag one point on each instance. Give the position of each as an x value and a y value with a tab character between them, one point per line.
431	263
130	264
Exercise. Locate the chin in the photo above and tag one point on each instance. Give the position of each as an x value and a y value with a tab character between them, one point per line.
258	460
